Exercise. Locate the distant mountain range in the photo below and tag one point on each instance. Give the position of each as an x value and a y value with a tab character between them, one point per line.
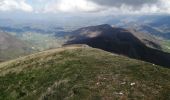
130	42
157	25
141	37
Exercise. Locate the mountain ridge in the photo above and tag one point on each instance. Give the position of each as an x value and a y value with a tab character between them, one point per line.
120	41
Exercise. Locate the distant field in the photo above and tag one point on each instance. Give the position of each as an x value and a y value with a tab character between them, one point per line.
40	41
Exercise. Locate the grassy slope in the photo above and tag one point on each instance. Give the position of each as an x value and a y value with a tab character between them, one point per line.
166	45
11	47
76	73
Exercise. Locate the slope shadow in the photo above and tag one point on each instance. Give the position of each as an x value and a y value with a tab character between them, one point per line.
120	41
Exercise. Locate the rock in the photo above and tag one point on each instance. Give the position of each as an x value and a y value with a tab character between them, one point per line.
132	84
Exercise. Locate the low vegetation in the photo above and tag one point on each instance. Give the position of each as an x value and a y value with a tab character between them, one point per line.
37	39
82	73
166	45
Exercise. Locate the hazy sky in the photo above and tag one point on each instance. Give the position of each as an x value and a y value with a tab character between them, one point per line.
86	6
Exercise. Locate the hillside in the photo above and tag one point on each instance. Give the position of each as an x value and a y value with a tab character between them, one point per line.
122	41
11	47
81	72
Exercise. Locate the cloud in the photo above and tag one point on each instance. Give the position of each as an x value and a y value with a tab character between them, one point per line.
72	6
134	6
108	6
12	5
88	6
117	3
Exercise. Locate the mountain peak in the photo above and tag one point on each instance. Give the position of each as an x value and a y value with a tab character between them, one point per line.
120	41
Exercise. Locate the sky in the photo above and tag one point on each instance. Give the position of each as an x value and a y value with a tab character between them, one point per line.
85	6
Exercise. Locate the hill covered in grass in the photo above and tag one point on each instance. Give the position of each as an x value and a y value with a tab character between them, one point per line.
11	47
80	72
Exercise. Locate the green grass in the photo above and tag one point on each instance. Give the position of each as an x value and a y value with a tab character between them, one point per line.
82	74
37	39
166	45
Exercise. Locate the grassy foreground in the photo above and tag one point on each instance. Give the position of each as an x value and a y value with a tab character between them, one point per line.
82	73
